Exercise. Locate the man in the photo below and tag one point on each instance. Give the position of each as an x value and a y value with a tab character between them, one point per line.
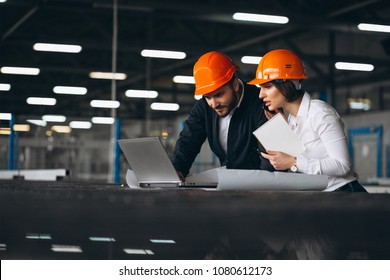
227	115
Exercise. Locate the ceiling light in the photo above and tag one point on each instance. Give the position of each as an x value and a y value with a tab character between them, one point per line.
61	128
261	18
141	93
163	241
66	249
46	101
5	87
80	124
103	120
105	104
107	76
354	66
163	54
5	116
5	131
38	236
54	118
37	122
102	239
251	59
164	106
374	27
184	79
45	47
359	103
22	127
138	252
19	70
70	90
3	246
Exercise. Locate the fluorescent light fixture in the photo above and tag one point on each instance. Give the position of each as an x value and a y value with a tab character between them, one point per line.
3	1
61	128
107	76
5	131
46	101
37	122
47	47
354	66
359	106
22	127
141	93
3	247
198	97
66	249
163	54
38	236
251	59
80	124
359	103
5	87
19	70
70	90
374	27
158	106
260	18
54	118
138	252
105	104
5	116
102	239
163	241
103	120
178	79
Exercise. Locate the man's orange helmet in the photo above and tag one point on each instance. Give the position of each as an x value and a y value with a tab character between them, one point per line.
211	71
279	65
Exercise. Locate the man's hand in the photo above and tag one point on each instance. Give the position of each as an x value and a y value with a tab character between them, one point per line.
181	176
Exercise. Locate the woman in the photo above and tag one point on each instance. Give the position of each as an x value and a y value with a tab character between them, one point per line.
317	124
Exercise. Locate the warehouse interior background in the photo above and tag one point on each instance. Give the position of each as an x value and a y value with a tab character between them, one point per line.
110	36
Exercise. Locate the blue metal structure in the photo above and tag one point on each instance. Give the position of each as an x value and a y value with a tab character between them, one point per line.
117	163
11	151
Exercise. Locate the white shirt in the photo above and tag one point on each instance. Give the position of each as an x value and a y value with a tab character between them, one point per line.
225	122
321	131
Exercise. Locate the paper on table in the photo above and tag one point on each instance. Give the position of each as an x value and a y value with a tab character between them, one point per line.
251	180
210	175
255	180
276	135
131	179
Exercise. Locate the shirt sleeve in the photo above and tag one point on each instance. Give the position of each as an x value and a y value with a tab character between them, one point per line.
328	126
190	140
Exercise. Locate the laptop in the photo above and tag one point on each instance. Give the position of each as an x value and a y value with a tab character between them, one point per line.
152	166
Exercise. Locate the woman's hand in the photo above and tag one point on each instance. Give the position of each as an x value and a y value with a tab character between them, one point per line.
270	114
279	160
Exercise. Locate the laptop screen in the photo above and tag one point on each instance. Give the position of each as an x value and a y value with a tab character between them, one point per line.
149	160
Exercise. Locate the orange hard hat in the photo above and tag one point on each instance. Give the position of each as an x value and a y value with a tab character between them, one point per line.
279	65
211	71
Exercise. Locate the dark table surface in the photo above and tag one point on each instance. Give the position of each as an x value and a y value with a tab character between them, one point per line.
36	217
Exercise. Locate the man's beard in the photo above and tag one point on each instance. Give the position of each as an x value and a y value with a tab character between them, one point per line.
228	108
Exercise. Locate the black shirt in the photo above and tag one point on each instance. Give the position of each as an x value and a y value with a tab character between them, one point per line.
242	146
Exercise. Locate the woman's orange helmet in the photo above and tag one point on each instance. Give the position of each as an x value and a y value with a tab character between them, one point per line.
279	65
211	71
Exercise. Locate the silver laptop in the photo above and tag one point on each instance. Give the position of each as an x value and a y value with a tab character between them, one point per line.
151	164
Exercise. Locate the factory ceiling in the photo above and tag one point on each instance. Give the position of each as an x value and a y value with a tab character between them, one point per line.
321	32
